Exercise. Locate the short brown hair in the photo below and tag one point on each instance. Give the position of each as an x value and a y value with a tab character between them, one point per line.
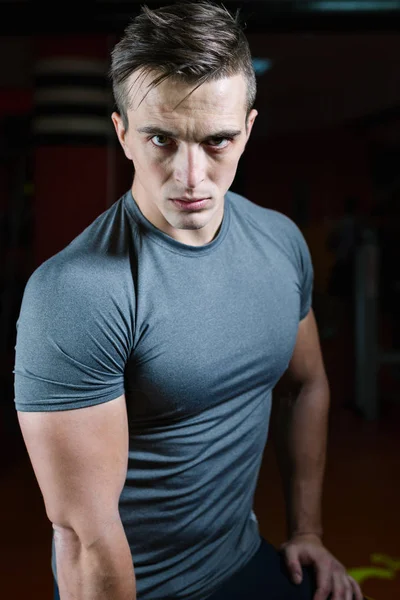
190	41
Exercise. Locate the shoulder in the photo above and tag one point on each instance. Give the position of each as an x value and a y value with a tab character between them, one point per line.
94	269
278	227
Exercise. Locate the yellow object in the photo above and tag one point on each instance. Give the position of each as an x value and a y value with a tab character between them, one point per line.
391	563
360	574
363	573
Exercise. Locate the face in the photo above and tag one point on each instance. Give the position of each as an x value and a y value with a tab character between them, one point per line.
190	151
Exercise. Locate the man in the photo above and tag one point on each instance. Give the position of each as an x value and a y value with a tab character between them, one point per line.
148	349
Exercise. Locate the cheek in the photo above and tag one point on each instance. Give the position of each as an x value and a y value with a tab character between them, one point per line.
226	170
154	171
143	161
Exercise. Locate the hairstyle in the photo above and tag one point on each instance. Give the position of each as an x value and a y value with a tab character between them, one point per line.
192	42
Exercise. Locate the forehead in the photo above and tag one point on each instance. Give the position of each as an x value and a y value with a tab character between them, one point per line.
223	100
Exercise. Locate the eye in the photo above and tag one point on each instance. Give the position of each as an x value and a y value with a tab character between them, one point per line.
216	143
159	145
219	140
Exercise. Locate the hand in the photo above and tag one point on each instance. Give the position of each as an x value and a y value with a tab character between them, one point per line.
308	550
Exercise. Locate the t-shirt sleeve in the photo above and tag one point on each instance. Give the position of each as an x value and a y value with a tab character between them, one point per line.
73	340
298	251
305	270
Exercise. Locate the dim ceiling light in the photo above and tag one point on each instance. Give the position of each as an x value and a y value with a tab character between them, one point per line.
365	5
261	65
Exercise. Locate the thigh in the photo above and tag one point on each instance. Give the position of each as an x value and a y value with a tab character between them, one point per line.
56	592
266	576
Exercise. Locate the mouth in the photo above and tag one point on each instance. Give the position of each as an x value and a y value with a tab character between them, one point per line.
186	204
189	200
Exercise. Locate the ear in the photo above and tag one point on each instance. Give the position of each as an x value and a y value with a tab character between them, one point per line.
121	133
250	122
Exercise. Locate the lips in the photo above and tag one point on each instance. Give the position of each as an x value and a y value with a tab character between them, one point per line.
190	200
191	205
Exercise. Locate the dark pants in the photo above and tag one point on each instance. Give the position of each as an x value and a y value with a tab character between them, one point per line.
264	576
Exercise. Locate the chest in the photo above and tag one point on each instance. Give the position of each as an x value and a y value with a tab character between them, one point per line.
210	330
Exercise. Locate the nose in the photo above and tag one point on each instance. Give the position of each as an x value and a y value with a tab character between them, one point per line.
189	166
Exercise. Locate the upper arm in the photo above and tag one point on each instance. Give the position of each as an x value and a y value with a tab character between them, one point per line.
80	461
306	365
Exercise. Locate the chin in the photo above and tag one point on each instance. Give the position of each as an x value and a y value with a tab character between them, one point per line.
189	223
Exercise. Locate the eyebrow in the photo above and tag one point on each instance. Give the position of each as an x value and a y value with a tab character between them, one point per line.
152	130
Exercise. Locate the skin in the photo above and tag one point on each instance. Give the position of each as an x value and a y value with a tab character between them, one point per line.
189	163
299	430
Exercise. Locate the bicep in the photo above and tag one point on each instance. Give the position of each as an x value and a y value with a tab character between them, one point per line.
80	461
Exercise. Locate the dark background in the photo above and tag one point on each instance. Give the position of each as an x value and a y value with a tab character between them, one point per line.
327	136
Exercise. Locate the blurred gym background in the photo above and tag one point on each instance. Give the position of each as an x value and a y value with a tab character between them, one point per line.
325	150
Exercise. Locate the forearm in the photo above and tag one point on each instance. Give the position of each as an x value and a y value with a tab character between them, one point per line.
101	571
300	438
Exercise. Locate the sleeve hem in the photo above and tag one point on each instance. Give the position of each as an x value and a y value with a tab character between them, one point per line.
69	405
304	313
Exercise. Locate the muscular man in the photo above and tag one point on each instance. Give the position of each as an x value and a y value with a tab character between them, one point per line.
148	348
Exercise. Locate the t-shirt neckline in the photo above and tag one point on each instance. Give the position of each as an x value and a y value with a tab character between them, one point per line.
163	239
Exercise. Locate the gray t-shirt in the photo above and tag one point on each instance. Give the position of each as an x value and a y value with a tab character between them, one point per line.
196	338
